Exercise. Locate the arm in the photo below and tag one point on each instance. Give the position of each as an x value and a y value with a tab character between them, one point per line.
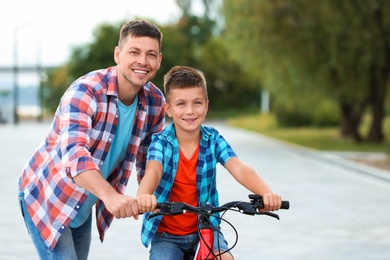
145	198
121	206
156	121
78	108
248	178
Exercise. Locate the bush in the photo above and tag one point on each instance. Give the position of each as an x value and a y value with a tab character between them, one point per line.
304	112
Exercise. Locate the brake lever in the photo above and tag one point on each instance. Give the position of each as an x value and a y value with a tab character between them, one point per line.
155	214
171	209
164	209
252	209
268	214
246	208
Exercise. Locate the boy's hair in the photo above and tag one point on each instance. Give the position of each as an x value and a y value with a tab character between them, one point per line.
181	77
139	28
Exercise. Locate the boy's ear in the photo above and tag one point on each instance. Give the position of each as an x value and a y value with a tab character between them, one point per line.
166	107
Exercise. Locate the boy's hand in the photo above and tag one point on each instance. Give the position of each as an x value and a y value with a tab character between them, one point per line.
272	202
146	203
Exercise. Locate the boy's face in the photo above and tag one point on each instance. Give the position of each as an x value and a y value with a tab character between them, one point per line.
187	108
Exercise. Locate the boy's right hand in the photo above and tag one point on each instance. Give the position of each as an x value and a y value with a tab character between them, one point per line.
146	203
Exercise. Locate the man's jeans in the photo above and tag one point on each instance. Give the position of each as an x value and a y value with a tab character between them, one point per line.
73	244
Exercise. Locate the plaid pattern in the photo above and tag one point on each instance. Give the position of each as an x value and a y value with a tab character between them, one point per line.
78	140
164	148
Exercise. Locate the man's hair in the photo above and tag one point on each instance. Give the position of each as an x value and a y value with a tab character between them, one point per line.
140	28
181	77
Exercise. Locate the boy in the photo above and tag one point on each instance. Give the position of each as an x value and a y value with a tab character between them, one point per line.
181	166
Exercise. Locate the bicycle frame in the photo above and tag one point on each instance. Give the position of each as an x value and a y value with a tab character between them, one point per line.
205	249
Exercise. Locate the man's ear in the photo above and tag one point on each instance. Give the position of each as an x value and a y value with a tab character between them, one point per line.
117	52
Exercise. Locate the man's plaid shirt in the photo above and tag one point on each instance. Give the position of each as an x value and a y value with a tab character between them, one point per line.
78	140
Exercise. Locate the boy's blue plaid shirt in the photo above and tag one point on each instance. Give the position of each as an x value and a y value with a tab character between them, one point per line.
164	148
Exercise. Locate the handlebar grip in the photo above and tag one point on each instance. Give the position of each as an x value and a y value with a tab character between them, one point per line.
285	204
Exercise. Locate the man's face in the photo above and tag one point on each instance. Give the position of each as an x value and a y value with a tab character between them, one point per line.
138	61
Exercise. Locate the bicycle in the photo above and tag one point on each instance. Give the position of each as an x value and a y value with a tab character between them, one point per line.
205	247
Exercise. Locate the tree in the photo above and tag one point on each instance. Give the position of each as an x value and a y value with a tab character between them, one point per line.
97	54
53	87
228	85
190	41
84	58
337	48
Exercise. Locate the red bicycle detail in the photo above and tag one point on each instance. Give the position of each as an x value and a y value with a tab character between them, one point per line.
205	248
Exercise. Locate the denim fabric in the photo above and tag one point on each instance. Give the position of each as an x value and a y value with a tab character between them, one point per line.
73	244
165	246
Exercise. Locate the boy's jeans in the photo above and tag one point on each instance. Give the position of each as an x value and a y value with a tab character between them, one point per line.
170	247
73	244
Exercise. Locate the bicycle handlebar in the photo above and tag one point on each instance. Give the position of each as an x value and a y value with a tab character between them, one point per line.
248	208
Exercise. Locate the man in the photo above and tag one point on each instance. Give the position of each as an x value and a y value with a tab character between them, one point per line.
103	124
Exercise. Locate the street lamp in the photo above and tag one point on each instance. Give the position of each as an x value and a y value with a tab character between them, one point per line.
40	76
15	76
15	73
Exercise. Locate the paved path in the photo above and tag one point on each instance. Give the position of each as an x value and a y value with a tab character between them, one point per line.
339	209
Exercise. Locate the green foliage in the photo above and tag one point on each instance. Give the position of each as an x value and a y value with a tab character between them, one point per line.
53	87
340	47
228	85
327	139
191	42
177	49
97	54
306	111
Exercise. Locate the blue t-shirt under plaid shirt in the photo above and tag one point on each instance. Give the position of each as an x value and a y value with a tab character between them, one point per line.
164	148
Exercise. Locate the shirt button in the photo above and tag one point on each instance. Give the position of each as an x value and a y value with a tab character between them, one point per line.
62	227
101	163
116	116
110	139
78	206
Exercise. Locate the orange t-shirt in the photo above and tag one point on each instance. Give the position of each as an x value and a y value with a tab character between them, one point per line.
183	190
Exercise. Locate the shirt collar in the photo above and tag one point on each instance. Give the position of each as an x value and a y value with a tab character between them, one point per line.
170	133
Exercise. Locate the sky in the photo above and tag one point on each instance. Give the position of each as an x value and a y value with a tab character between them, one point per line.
45	30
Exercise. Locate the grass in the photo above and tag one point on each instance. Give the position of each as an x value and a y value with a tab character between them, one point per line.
317	138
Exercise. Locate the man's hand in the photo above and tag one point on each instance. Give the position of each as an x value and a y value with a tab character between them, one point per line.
122	206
